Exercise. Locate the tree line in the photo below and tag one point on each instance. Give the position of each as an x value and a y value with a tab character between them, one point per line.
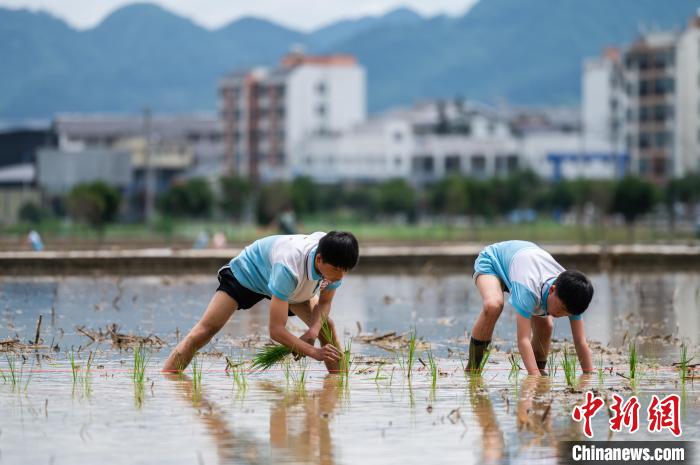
235	198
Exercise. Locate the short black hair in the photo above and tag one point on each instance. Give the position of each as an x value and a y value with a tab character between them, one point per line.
575	291
340	249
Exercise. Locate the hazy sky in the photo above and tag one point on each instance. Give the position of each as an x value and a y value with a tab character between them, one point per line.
299	14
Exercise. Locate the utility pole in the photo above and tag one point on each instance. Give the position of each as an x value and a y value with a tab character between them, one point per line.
149	178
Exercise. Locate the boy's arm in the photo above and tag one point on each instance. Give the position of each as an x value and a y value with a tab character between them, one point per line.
322	308
279	333
582	350
525	345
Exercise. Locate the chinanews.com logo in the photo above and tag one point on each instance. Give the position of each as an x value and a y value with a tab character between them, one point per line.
662	417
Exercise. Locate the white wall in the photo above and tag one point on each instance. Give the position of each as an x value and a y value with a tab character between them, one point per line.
344	100
687	102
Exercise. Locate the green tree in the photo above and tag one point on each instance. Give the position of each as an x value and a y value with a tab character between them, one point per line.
193	199
32	213
235	193
450	195
397	196
272	199
95	204
304	194
632	198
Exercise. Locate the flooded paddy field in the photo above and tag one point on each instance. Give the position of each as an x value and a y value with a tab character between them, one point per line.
72	395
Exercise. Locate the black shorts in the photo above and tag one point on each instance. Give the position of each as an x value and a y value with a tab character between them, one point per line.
244	297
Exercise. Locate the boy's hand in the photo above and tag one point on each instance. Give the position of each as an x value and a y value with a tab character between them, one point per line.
328	353
309	337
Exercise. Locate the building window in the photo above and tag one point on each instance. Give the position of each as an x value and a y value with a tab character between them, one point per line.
659	167
513	163
478	164
643	166
321	110
662	139
423	164
644	142
453	163
398	136
397	162
321	88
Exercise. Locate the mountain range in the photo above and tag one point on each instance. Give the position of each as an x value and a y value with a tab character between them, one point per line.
519	51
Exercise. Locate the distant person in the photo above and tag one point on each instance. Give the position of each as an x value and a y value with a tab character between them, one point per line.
219	240
540	289
287	221
298	273
34	238
202	241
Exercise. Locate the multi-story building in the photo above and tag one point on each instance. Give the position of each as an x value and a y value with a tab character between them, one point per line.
660	72
268	113
422	143
650	75
687	127
603	100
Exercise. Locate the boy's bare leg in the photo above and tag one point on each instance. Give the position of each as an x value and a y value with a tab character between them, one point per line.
219	310
492	297
304	311
542	328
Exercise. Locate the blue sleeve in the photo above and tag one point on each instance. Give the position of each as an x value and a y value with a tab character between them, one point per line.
282	282
575	317
334	285
523	299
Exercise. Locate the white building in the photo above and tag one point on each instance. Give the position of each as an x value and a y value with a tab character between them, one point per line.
687	127
603	100
660	72
267	114
422	143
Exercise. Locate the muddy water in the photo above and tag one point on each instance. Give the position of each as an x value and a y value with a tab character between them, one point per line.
274	419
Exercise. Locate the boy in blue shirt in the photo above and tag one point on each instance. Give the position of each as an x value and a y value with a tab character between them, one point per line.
298	273
540	288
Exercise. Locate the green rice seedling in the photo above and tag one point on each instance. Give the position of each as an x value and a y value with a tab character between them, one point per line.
138	375
287	370
600	368
568	364
484	359
269	356
74	368
345	362
4	379
633	360
514	360
377	376
684	362
391	378
16	374
327	332
552	364
300	376
196	379
87	375
411	356
433	368
238	372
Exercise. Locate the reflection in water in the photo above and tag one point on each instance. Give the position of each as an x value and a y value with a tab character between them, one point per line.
230	447
299	425
492	443
534	409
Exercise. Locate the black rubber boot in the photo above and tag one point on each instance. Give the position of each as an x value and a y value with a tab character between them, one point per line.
476	353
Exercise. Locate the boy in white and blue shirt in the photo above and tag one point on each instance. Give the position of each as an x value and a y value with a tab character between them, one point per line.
298	273
540	288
